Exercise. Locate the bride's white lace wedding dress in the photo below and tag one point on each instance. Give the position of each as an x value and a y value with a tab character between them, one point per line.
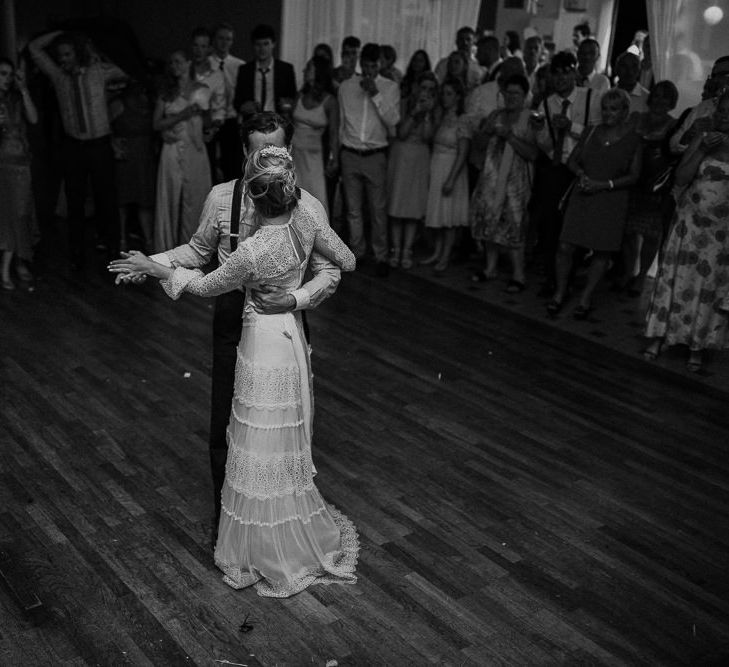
275	530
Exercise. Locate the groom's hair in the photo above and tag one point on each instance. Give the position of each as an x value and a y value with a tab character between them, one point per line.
266	122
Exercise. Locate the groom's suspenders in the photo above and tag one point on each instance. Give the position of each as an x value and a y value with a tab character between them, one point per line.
235	214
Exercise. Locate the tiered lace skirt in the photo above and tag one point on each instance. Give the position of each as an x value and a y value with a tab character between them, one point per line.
276	532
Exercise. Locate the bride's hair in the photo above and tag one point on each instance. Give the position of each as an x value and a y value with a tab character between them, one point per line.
271	181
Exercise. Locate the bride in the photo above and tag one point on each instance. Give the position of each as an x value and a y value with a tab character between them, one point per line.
276	532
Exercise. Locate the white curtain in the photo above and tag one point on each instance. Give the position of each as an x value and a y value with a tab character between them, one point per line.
687	36
408	25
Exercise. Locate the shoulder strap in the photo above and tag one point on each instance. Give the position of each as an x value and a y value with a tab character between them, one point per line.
235	214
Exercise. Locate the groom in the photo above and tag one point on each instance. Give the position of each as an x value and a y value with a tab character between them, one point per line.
213	238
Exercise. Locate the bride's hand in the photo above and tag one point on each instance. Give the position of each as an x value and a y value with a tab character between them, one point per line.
133	262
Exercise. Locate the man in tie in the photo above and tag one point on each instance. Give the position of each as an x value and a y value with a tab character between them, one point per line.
266	84
562	118
369	111
226	141
80	82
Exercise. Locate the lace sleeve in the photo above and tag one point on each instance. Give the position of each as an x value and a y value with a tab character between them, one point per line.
240	268
328	244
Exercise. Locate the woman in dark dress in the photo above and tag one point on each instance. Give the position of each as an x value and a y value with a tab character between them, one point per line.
606	162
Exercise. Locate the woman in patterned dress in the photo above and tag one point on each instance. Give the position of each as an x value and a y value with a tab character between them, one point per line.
499	203
447	209
18	225
276	532
691	292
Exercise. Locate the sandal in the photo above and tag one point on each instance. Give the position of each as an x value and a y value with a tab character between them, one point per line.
553	307
515	287
695	362
482	276
653	351
581	312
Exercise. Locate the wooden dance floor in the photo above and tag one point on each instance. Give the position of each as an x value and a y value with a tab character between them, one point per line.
523	496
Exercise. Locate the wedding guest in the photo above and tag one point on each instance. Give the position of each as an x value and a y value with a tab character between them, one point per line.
419	63
627	69
183	175
588	55
533	53
388	58
561	120
266	84
511	48
18	226
134	151
715	85
408	169
648	205
323	50
350	57
480	103
498	213
488	56
204	72
457	68
606	161
688	304
465	40
369	110
580	32
447	208
316	112
80	80
226	141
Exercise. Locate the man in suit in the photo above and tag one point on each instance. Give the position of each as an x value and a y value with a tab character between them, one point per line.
265	84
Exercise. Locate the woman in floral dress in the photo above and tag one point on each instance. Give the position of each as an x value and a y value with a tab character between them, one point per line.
689	300
499	203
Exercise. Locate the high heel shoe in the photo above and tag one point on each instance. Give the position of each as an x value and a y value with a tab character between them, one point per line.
24	273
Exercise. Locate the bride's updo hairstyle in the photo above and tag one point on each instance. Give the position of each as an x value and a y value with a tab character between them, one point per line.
271	181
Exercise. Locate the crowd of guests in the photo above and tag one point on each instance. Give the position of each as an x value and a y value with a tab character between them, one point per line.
511	151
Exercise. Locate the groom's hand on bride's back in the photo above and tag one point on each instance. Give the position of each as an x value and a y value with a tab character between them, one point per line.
272	300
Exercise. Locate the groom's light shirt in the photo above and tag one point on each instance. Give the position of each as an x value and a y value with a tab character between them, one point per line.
212	238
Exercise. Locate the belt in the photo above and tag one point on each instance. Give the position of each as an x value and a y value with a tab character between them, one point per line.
365	153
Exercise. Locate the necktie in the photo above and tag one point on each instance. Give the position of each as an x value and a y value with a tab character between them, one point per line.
263	88
559	145
78	103
222	65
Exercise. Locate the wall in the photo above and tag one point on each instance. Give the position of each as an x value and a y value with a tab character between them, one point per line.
160	25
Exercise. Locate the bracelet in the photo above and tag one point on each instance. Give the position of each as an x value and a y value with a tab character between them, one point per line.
611	184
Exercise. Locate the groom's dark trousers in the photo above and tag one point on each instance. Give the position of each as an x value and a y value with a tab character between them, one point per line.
227	325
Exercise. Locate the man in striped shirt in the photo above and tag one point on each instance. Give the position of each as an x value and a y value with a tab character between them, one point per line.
80	86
